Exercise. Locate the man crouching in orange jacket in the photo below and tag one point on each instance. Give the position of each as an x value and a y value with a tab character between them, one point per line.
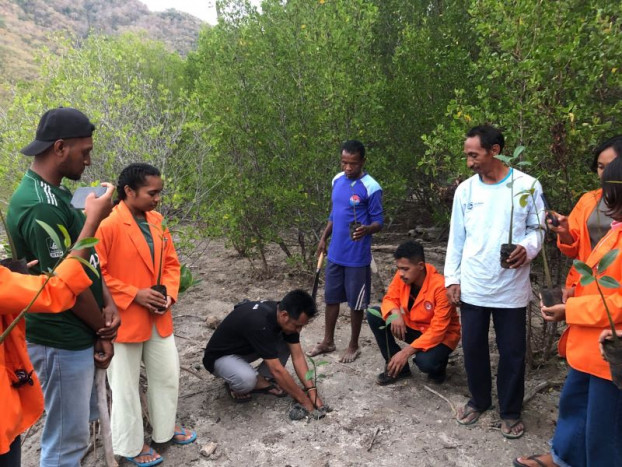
21	399
424	319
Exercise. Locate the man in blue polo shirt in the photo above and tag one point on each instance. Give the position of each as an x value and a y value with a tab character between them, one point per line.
356	214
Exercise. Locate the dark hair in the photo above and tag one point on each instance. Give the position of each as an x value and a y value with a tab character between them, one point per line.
411	250
488	136
135	175
354	146
615	143
612	192
297	302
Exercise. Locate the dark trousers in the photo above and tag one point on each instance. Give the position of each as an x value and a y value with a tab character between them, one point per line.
589	425
13	457
510	333
433	361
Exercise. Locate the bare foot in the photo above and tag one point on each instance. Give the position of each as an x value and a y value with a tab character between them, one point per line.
350	355
321	348
146	455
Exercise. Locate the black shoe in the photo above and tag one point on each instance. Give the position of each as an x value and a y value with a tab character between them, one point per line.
437	378
383	378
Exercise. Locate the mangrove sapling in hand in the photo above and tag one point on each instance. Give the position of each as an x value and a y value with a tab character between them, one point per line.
159	287
13	263
392	317
551	294
612	346
298	412
79	245
353	201
509	247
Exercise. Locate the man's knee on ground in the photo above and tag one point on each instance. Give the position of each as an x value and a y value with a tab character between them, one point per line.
428	364
243	381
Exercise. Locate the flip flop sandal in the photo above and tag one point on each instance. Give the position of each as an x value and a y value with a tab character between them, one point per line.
509	425
267	389
157	461
237	397
534	458
467	411
183	432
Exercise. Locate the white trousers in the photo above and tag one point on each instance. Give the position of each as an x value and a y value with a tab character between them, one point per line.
162	366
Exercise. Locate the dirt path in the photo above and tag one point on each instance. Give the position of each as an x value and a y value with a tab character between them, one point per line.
370	425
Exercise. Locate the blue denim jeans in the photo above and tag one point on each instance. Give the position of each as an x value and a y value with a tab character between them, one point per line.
589	425
67	380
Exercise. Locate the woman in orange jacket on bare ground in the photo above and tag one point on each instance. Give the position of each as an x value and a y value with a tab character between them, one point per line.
589	425
136	252
588	222
21	399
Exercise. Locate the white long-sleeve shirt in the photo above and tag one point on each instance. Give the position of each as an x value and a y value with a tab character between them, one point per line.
480	223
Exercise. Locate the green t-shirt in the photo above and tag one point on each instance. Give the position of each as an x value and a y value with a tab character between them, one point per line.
35	199
143	225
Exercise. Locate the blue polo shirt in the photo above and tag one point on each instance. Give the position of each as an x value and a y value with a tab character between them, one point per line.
362	197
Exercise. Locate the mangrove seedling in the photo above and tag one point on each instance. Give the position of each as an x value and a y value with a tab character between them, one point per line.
392	317
159	287
509	247
79	245
353	199
612	346
551	294
312	374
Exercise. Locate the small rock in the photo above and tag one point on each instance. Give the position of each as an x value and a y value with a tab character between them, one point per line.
208	449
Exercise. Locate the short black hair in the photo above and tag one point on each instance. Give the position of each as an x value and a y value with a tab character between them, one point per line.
135	175
297	302
488	136
354	146
612	192
411	250
614	142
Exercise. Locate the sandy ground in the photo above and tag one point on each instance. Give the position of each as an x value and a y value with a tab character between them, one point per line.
371	425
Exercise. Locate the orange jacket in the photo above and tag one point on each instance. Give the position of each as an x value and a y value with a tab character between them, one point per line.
21	407
127	266
586	316
431	313
577	223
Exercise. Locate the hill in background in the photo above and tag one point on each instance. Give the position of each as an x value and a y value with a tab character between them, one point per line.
28	25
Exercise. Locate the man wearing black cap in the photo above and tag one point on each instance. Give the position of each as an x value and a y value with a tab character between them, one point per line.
63	347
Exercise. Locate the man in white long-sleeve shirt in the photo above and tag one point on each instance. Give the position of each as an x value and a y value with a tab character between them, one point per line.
480	223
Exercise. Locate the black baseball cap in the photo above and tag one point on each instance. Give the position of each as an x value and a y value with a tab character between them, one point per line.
55	124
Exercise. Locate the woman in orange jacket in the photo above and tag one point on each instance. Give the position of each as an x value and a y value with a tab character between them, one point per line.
589	425
21	399
136	252
578	233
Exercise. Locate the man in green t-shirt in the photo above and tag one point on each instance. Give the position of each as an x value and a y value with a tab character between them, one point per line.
64	347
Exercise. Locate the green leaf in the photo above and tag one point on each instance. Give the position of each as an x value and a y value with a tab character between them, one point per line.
309	375
375	312
505	159
606	260
323	362
66	236
51	233
518	151
583	268
381	327
390	319
523	163
587	280
86	263
523	200
609	282
88	242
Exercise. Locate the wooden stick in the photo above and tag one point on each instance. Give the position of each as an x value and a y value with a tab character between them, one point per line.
451	404
192	372
104	417
540	387
373	439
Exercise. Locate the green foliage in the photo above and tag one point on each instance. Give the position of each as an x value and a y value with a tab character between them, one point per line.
187	280
590	275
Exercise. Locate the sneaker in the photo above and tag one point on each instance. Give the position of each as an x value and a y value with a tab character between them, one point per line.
383	378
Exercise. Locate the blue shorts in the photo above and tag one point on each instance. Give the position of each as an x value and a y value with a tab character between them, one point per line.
347	284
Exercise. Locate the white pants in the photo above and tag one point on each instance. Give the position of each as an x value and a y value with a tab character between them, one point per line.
162	366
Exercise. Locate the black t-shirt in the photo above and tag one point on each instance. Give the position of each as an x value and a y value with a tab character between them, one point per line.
250	328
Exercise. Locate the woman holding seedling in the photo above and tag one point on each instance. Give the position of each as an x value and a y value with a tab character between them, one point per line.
137	253
589	425
588	222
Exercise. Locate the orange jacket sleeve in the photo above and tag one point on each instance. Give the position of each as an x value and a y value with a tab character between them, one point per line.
59	294
392	299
